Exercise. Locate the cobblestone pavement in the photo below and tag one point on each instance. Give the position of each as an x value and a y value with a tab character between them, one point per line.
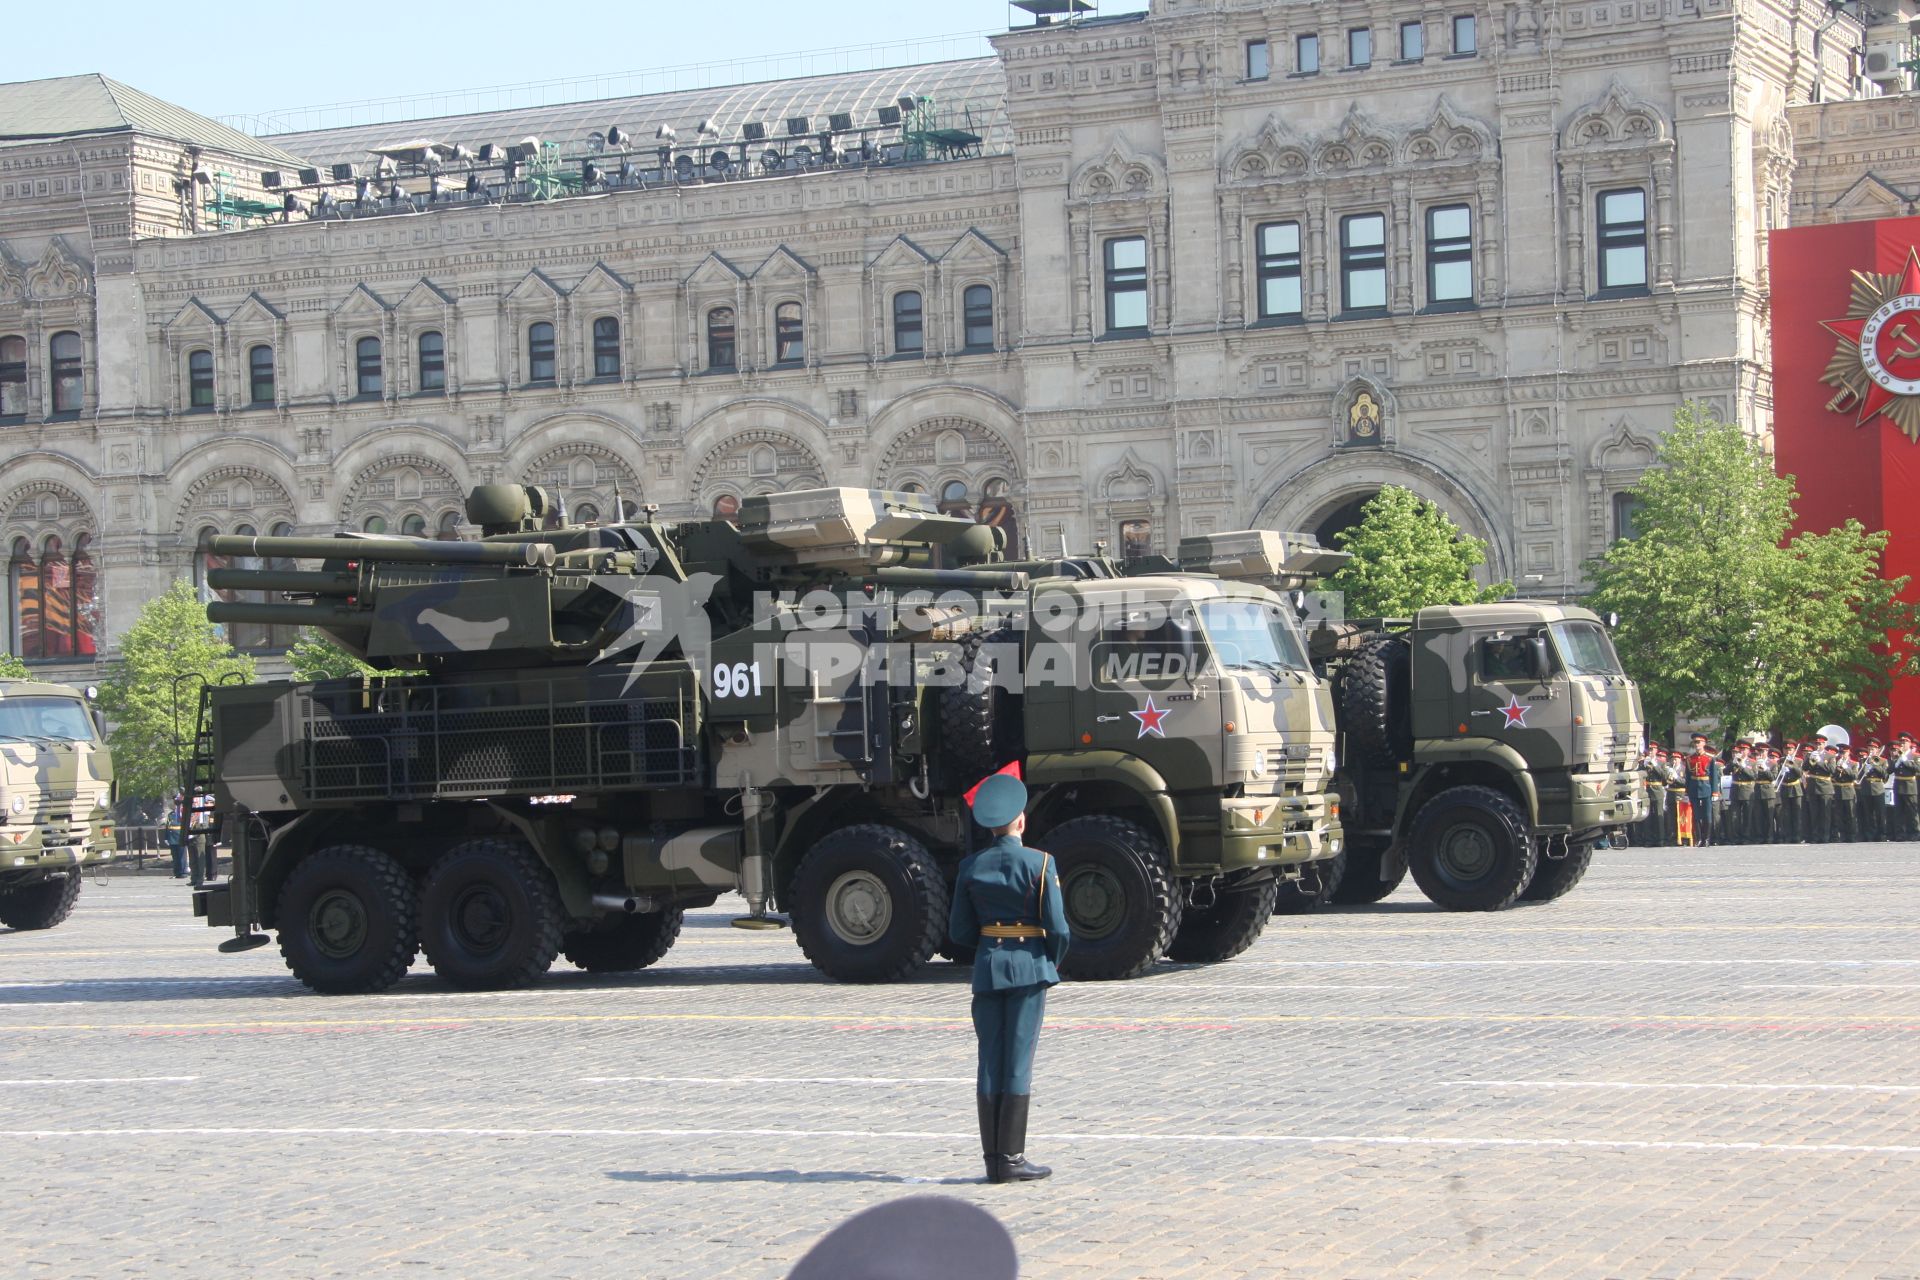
1699	1063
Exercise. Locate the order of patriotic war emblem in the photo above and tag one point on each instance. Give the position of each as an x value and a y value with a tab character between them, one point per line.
1876	364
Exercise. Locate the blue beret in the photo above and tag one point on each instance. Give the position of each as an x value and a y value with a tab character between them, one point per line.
999	800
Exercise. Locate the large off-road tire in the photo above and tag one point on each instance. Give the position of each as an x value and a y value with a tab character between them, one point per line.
1313	890
1122	903
980	726
1374	698
1360	878
1223	930
622	944
869	904
1555	877
1470	850
41	905
347	920
490	916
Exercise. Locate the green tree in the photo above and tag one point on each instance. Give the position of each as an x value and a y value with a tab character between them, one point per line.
150	692
1407	554
11	668
1723	616
314	657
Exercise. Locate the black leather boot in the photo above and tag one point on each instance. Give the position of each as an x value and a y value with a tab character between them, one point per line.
989	1105
1013	1141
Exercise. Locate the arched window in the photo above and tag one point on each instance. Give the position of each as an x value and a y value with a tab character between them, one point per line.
789	341
726	507
450	526
13	378
606	347
374	524
953	498
200	379
86	610
913	486
1136	539
25	573
67	353
260	375
540	352
586	513
56	600
433	361
414	526
977	305
720	338
909	330
367	366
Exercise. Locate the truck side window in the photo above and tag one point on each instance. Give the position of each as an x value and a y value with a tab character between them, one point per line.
1504	659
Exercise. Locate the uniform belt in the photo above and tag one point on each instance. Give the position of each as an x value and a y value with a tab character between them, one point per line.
1022	931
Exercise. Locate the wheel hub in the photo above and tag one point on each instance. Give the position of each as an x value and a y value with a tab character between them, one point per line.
481	918
859	908
1466	854
337	923
1096	901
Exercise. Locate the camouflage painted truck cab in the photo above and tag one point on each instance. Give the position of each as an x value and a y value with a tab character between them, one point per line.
1487	748
618	723
56	801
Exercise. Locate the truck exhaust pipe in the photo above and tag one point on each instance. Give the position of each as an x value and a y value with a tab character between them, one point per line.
619	902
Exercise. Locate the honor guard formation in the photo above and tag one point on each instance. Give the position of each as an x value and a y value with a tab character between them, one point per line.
1825	790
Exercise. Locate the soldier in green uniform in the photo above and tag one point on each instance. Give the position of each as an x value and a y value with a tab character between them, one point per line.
1006	904
1846	797
1739	828
1792	818
1766	792
1653	770
1906	788
1874	775
1819	769
1703	785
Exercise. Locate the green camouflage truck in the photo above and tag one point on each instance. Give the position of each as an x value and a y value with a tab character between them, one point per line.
1488	749
617	723
56	801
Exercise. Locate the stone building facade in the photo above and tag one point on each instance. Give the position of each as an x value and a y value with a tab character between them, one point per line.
1226	263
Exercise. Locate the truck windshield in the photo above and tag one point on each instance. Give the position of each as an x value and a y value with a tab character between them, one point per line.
64	719
1253	634
1585	649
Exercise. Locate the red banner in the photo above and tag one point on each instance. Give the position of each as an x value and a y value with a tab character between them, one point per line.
1846	389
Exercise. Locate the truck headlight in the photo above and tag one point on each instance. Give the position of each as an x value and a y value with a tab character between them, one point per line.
19	804
1259	769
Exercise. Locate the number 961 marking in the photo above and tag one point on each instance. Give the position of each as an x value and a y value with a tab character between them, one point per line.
736	680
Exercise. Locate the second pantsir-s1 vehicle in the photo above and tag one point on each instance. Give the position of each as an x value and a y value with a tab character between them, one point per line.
618	723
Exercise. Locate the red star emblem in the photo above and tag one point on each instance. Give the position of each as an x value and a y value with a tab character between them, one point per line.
1876	366
1150	720
1514	712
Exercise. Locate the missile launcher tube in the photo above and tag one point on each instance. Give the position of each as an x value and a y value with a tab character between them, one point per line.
294	580
287	615
397	550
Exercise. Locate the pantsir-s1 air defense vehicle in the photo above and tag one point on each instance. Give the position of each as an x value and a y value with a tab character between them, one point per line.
56	801
618	723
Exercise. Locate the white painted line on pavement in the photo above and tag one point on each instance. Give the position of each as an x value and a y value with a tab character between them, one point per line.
1830	986
22	1084
867	1135
776	1080
1717	1086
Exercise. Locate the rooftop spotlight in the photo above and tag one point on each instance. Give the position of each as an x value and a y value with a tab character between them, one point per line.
270	179
799	126
664	133
889	116
473	184
291	204
754	131
591	175
491	153
395	194
463	154
361	187
840	122
344	173
596	141
708	129
309	177
436	187
618	138
907	102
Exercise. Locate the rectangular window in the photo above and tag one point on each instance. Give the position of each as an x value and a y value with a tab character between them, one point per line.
1126	281
433	362
977	302
1466	34
789	339
1259	65
606	347
1363	262
1277	258
1449	254
1623	239
1360	47
260	375
909	325
13	377
67	352
1413	41
1306	54
540	357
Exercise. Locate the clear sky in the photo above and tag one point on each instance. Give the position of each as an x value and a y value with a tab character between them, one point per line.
229	60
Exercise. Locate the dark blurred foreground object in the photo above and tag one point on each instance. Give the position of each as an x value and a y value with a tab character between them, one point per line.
916	1238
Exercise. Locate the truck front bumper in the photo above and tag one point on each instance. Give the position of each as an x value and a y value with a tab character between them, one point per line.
52	846
1607	800
1263	831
